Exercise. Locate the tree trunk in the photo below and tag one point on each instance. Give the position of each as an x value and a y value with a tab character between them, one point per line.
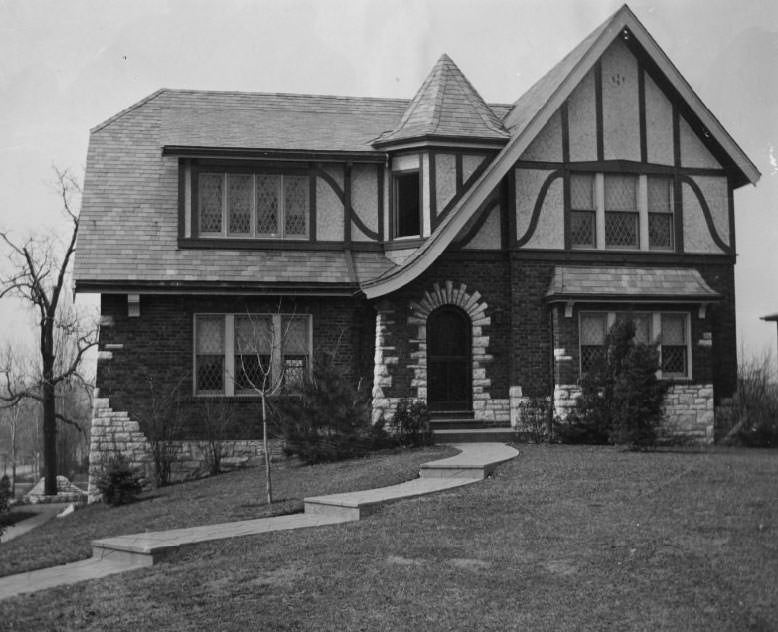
13	456
49	440
268	483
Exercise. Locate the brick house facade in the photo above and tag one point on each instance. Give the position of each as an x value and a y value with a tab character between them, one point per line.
470	256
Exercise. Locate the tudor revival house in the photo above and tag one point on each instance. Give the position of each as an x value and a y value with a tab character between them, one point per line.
462	253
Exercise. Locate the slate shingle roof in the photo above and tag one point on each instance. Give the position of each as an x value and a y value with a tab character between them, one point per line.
448	106
592	282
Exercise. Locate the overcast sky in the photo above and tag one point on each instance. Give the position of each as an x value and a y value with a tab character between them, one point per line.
67	65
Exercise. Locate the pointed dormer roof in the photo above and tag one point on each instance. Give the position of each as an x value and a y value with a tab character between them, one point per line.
446	107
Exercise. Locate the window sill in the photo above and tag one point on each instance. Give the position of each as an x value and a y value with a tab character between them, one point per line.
403	243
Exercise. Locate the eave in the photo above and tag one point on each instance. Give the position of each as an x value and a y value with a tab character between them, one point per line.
216	288
244	153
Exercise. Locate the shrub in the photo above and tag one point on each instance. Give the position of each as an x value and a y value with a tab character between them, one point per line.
534	415
621	398
325	418
119	483
411	423
755	406
5	497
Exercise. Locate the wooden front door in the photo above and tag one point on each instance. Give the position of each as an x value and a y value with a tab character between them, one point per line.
449	360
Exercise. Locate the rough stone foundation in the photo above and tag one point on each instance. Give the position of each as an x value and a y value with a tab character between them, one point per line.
688	410
113	432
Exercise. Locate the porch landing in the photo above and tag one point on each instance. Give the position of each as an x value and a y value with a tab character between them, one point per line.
474	462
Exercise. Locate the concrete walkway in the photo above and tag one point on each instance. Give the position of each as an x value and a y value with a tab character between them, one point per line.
43	513
474	462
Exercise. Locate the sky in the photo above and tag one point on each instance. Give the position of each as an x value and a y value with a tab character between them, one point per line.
67	65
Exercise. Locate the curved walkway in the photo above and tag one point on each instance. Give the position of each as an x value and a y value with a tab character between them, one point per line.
474	462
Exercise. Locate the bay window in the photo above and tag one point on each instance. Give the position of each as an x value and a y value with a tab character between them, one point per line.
236	354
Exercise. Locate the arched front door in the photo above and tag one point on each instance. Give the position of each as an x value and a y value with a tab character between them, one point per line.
449	359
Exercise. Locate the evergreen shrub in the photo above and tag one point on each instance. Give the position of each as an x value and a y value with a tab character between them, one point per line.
119	484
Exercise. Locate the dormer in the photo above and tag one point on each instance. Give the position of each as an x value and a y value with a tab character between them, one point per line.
445	134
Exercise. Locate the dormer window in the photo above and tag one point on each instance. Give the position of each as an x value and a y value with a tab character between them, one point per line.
407	204
251	204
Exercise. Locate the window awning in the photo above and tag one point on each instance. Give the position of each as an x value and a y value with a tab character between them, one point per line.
571	284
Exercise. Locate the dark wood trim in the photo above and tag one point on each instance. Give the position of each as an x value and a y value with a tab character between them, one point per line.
511	208
458	195
485	210
312	201
232	153
598	110
504	206
217	287
432	138
533	223
731	211
628	258
642	114
433	187
474	255
348	211
380	179
227	243
421	197
563	115
706	212
678	213
458	171
244	166
182	165
622	166
676	136
566	208
632	298
390	210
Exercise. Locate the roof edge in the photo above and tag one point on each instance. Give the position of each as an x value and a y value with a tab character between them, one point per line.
127	110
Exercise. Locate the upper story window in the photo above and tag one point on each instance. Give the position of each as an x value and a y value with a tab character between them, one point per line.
407	204
246	205
621	212
667	331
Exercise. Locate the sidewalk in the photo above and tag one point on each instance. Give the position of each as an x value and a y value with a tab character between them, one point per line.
123	553
44	513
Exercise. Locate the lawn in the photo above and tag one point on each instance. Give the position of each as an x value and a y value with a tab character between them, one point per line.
561	538
237	495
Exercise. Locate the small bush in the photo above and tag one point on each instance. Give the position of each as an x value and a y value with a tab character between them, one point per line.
411	424
119	483
621	398
754	408
325	419
534	415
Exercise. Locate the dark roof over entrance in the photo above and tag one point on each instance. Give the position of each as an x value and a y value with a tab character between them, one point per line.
623	282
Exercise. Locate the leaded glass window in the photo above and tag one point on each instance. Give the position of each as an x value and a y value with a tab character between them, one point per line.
660	212
253	351
642	324
582	210
210	354
593	332
253	205
295	345
621	211
674	348
211	193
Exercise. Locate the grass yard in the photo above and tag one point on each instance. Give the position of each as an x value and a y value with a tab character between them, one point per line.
237	495
561	538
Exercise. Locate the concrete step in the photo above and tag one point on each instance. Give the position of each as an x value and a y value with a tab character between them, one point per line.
436	415
500	434
447	424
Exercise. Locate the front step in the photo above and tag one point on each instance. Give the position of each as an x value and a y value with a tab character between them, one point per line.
475	433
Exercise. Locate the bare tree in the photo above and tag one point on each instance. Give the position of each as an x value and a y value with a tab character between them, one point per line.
38	275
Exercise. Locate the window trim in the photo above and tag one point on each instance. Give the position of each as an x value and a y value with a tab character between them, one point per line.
192	201
277	354
655	336
395	200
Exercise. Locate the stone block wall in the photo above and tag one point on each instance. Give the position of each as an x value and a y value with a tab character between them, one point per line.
114	433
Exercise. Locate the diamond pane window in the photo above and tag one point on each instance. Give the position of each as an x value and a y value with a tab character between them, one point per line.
582	192
621	229
268	188
295	369
660	212
592	339
210	354
253	351
296	205
211	192
642	324
582	228
295	335
621	192
674	347
660	230
241	189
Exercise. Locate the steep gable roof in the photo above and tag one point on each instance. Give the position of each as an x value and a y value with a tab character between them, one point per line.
528	117
448	106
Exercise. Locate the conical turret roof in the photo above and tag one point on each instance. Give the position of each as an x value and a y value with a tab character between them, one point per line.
446	106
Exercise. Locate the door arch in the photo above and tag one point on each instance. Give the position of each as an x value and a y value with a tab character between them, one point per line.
449	359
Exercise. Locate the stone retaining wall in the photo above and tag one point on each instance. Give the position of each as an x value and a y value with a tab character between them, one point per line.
113	432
